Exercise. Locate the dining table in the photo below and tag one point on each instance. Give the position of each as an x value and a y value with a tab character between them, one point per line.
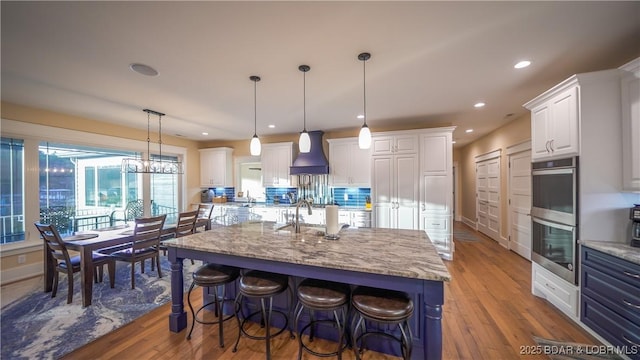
86	242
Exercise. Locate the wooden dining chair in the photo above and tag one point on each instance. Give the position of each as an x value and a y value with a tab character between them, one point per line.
204	216
70	265
186	226
145	245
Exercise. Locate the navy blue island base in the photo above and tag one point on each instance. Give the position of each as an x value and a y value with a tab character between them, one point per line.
428	295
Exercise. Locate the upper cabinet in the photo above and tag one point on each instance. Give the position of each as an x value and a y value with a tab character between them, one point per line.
350	166
394	144
276	160
216	167
631	125
554	124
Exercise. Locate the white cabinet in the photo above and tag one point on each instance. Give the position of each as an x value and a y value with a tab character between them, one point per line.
631	125
394	183
560	293
554	124
276	160
436	189
350	166
216	167
394	144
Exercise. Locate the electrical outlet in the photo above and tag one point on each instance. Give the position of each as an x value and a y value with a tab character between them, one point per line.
22	259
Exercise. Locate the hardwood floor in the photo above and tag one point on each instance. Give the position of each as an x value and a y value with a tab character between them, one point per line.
489	313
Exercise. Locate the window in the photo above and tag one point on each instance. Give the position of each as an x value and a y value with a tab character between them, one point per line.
81	186
11	190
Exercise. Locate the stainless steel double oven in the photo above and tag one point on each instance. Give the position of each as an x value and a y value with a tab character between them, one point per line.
554	216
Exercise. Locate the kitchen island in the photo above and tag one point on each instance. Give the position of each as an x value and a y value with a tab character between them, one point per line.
403	260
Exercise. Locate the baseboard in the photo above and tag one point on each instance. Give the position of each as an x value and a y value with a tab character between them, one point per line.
21	273
469	222
504	242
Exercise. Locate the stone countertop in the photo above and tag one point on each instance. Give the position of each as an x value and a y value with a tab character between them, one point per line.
621	250
403	253
287	206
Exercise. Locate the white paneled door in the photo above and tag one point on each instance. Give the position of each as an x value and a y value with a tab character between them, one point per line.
488	197
520	203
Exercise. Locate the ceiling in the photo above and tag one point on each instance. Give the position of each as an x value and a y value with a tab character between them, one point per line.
431	61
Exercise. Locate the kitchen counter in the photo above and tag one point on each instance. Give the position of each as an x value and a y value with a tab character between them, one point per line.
621	250
407	253
402	260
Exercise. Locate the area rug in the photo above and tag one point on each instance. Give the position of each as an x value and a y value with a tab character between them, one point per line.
40	327
562	350
463	234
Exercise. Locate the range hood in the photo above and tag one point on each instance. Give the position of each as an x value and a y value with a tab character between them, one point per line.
314	162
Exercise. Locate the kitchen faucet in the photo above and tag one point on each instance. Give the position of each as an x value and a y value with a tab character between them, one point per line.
301	201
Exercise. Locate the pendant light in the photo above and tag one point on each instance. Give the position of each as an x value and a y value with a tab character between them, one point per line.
305	142
364	138
255	146
151	164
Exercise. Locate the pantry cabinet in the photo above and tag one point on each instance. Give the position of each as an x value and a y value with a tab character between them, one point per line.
631	125
276	160
350	165
216	167
436	189
394	182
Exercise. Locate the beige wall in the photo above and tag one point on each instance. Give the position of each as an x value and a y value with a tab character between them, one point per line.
513	133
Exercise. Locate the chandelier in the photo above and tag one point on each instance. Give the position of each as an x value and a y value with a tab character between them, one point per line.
152	164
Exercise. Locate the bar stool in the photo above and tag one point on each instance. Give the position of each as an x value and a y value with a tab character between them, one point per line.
327	296
264	286
385	307
215	276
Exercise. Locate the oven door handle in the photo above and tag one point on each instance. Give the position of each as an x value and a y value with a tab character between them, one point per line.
553	224
560	171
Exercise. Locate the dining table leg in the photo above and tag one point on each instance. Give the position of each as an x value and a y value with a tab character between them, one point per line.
86	275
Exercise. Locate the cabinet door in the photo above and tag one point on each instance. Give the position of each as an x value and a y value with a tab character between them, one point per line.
406	217
539	136
283	159
436	194
382	145
405	144
435	154
563	127
360	166
339	158
631	131
276	160
382	191
215	168
406	190
269	165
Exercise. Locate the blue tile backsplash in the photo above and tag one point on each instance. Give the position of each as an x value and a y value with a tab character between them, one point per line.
280	194
229	191
351	197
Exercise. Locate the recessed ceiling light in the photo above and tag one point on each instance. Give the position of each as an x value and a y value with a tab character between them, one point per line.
143	69
271	126
205	133
360	116
479	105
469	131
522	64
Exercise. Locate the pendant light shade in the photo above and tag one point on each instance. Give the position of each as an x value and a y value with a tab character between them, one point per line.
255	147
364	138
305	142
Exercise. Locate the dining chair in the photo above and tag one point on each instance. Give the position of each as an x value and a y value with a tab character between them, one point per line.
145	245
70	265
204	216
133	210
186	225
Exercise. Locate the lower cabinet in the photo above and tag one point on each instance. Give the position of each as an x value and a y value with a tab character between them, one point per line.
562	294
610	300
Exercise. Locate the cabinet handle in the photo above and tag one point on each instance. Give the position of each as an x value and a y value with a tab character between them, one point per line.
546	146
549	286
636	276
629	341
630	304
551	145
